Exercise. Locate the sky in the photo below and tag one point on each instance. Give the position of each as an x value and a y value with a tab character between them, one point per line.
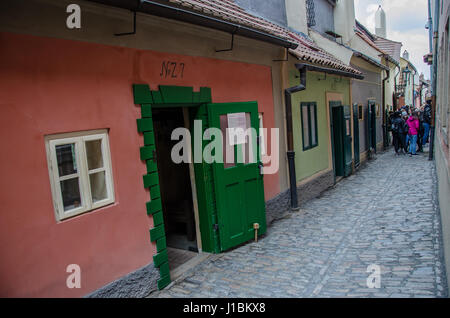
405	20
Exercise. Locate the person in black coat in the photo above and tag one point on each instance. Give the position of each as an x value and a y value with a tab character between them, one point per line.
426	122
420	132
404	132
398	135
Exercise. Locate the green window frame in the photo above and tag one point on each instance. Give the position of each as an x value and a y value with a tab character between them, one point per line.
308	113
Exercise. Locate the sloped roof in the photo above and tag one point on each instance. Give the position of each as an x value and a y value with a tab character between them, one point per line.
230	11
368	37
392	48
310	52
383	45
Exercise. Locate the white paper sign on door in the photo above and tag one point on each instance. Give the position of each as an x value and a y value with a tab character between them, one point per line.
237	124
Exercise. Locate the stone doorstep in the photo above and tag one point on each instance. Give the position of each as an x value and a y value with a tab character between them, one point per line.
178	274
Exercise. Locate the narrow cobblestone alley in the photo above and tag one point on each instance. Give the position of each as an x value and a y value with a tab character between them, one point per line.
385	215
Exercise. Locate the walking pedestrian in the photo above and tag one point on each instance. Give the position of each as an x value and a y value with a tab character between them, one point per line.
397	128
404	132
426	121
389	124
413	124
420	131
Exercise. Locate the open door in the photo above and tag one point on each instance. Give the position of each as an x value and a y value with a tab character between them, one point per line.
238	182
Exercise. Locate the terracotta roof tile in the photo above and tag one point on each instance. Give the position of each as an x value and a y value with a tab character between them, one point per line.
228	10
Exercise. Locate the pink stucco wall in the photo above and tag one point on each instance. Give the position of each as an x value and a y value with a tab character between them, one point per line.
50	86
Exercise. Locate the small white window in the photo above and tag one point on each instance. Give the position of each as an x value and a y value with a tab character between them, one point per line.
80	172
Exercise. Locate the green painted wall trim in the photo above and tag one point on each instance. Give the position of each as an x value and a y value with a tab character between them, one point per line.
158	218
164	269
163	282
146	110
142	94
151	180
166	96
145	124
154	206
161	244
147	152
149	138
157	232
160	258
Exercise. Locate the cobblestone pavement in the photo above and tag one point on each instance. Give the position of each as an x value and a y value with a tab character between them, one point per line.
385	214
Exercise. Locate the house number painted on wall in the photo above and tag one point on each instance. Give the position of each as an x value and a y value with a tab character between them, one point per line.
172	69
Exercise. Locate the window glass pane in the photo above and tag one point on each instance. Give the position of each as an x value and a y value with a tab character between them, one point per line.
65	155
313	125
98	186
305	126
248	146
70	191
94	154
228	149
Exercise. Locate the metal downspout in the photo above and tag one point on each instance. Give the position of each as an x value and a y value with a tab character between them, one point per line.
290	136
434	77
395	85
385	135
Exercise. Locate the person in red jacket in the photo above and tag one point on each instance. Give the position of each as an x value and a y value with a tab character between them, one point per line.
413	124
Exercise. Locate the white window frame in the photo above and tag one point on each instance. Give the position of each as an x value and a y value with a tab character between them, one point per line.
79	139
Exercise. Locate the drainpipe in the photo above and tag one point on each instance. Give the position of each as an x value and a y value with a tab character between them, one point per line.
385	136
434	76
290	137
395	85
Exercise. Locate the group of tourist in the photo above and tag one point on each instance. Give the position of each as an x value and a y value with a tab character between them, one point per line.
410	129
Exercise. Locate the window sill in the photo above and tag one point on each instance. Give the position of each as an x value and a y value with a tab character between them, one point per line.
81	214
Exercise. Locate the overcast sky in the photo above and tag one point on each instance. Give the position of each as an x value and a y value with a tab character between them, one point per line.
406	20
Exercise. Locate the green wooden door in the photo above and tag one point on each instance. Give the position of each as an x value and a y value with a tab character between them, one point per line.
238	184
356	135
347	143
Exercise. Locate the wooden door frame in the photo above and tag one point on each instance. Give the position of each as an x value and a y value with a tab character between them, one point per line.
164	97
332	97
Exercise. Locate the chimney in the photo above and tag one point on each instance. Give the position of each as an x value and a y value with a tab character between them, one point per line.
380	22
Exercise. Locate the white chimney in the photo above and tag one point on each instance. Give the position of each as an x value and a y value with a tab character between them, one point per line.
406	55
380	22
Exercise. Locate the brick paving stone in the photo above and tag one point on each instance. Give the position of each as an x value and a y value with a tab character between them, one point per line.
386	214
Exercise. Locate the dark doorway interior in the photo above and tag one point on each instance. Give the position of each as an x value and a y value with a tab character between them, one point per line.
175	185
338	139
